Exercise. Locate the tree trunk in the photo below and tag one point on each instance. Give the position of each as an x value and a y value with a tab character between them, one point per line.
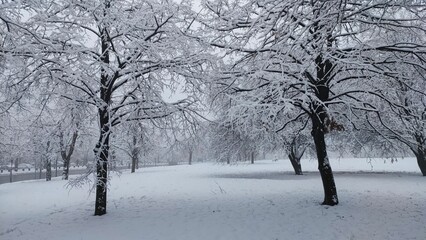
134	162
421	155
56	167
421	161
66	157
135	152
294	155
102	153
190	157
102	147
48	170
330	192
66	170
48	162
295	162
11	171
252	157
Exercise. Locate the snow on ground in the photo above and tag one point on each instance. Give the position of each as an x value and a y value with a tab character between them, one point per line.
213	201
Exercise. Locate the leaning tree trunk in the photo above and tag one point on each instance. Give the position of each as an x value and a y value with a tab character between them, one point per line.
295	162
421	161
330	192
319	127
421	155
294	155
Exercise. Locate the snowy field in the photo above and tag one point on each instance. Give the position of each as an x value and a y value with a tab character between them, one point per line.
378	200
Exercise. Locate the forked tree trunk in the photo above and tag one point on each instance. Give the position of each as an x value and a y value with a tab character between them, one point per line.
66	156
330	192
295	154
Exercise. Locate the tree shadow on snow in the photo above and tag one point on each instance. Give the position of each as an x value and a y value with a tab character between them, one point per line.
288	175
279	175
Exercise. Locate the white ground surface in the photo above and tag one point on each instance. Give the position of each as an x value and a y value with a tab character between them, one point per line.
211	201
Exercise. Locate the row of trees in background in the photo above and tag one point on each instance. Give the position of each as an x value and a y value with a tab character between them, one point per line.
133	78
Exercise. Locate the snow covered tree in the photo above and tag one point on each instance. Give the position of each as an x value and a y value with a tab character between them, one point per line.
120	56
69	127
318	58
295	149
228	144
401	117
134	139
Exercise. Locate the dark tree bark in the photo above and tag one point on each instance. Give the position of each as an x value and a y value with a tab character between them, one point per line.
319	119
420	154
102	147
322	38
11	171
48	170
48	162
295	162
102	155
295	153
421	161
252	158
330	192
134	160
190	157
134	153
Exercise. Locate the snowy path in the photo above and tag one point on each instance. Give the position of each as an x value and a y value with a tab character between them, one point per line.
210	201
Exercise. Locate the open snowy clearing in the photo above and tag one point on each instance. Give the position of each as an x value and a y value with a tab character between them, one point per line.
212	201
